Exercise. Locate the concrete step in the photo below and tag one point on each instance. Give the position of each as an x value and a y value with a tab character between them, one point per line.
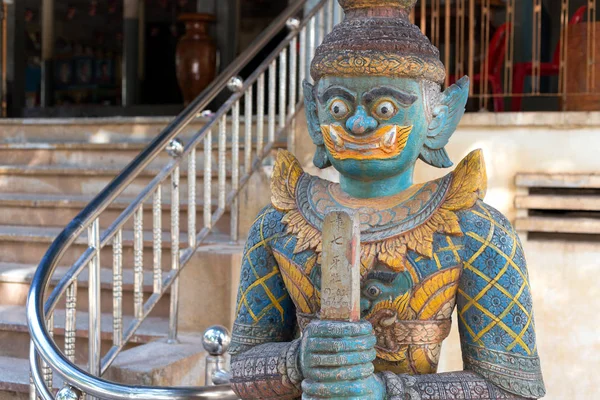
99	130
27	245
86	181
27	209
14	334
105	155
15	280
14	378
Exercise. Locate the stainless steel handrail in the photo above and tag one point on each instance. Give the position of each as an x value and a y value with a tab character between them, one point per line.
37	312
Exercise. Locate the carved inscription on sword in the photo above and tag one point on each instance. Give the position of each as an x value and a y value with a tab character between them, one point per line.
340	267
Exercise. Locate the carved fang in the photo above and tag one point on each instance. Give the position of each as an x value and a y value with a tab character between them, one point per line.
389	139
339	142
389	321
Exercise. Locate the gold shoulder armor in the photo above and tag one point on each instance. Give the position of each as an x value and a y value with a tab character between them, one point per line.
469	183
286	173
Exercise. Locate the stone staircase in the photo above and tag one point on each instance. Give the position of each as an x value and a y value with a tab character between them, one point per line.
49	170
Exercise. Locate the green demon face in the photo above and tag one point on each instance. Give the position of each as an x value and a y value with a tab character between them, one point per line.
373	129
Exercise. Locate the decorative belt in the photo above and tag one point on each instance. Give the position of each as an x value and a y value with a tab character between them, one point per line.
404	332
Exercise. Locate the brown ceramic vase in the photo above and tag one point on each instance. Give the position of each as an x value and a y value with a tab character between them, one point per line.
195	56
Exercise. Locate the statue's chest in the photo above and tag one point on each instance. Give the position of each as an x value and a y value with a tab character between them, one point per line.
409	308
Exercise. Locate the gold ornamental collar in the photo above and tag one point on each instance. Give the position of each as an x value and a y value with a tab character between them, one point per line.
390	226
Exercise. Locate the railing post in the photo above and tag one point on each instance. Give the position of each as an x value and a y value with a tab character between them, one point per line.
236	85
216	341
138	263
175	150
118	288
95	316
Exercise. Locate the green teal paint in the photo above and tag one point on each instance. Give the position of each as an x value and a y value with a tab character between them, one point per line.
433	117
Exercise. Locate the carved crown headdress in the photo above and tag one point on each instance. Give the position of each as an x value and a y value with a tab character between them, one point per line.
376	38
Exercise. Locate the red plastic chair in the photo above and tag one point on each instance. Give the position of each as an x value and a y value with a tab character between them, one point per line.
495	57
523	70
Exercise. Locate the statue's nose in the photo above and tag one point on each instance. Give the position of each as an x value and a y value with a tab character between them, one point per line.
361	123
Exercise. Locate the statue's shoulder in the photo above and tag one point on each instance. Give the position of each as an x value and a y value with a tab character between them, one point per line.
468	183
267	224
286	174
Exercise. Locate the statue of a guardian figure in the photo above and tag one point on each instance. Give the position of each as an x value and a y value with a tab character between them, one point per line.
376	107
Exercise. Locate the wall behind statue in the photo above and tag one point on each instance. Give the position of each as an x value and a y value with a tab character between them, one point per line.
566	296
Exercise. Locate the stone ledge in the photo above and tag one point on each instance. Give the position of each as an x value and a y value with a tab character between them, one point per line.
550	120
161	364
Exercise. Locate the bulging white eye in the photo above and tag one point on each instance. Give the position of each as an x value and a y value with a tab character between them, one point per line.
385	109
373	291
339	109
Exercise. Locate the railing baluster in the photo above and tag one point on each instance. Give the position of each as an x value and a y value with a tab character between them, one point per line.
471	40
591	46
311	45
118	288
235	168
33	393
564	37
248	131
302	68
71	321
321	15
222	159
272	94
94	301
485	44
157	239
329	25
282	88
510	47
260	114
47	371
138	263
174	308
291	142
423	17
192	198
208	179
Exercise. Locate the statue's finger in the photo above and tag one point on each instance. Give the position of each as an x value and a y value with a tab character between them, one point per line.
336	374
331	345
340	359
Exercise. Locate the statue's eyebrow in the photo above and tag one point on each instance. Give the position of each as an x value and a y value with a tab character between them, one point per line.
383	276
337	91
402	97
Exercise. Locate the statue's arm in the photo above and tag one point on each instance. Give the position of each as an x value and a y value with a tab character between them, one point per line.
264	354
495	318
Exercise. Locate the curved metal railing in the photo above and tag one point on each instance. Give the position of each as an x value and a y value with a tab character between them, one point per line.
282	99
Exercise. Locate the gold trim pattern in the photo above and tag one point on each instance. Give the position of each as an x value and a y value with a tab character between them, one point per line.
377	63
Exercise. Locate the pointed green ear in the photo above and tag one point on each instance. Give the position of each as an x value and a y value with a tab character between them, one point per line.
314	128
446	116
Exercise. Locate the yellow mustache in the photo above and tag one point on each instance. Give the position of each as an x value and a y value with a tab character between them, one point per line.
386	142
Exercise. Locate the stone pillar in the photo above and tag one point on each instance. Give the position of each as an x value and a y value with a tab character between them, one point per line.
47	17
131	22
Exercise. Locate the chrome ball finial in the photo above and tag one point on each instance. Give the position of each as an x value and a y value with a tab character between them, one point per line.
68	393
293	24
216	340
236	84
175	148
